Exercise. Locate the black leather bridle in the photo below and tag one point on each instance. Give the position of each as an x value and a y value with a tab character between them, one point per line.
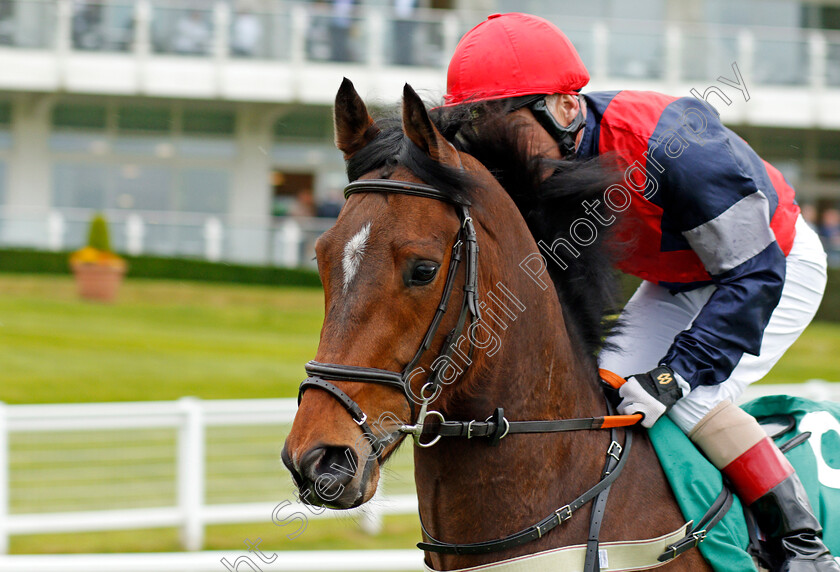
495	427
465	240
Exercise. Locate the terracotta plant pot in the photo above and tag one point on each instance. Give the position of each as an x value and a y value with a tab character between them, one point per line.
98	281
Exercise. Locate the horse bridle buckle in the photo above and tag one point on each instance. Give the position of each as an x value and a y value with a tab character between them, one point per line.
614	454
563	513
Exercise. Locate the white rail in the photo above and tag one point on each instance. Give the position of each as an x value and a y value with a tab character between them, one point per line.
190	418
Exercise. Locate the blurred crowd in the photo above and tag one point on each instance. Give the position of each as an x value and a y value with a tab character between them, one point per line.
335	31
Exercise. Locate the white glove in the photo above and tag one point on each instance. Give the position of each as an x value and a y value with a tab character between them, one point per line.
652	394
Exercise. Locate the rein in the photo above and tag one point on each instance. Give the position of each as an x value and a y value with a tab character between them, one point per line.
497	426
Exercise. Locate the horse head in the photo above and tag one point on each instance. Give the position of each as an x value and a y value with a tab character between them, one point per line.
388	273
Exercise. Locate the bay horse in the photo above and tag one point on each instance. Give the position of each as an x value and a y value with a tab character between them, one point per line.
501	349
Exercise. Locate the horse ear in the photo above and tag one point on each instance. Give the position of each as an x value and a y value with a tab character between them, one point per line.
422	132
354	127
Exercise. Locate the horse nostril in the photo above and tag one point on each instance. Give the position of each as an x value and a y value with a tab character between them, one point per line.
334	466
287	461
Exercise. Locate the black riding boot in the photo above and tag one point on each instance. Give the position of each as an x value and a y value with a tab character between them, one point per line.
793	532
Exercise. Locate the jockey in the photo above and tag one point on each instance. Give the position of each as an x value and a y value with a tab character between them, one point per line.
731	273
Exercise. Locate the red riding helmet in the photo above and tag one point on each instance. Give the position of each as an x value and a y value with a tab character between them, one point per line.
511	55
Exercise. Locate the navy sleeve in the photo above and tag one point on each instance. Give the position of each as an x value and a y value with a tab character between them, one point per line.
717	196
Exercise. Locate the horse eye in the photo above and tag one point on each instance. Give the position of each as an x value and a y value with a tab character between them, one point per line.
423	273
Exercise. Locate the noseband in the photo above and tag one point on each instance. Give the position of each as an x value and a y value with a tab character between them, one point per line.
465	239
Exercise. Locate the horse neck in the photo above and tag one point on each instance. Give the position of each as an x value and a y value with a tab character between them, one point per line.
470	492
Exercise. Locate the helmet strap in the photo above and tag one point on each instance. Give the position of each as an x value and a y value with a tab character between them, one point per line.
565	136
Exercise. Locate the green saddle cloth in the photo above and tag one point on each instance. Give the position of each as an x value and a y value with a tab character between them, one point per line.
697	483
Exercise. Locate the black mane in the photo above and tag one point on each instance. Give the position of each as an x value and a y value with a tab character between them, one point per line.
588	286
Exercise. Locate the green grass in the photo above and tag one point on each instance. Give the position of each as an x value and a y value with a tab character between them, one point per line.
813	356
161	340
166	339
398	531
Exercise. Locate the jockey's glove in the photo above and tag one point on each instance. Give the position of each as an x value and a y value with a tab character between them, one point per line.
652	394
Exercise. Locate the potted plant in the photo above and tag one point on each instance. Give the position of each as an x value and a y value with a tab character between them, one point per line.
98	270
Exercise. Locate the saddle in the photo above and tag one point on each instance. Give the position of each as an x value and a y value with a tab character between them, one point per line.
808	432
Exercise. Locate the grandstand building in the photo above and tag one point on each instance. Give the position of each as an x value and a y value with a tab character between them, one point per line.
204	128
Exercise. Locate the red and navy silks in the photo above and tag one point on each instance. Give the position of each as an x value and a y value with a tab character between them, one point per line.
703	209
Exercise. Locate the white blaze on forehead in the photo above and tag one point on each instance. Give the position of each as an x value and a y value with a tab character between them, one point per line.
354	251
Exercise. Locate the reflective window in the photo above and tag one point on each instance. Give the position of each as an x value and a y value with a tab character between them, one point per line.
77	142
832	63
636	52
208	148
144	118
161	147
186	32
637	10
310	122
754	12
259	35
582	38
79	116
209	121
412	41
133	186
336	34
203	191
2	183
81	186
5	123
708	55
143	187
781	60
103	26
28	23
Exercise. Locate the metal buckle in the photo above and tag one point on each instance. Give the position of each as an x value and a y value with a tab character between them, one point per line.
416	430
687	542
417	436
469	429
563	517
615	455
361	421
507	427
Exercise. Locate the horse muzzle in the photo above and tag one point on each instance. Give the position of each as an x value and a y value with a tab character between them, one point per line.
329	476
